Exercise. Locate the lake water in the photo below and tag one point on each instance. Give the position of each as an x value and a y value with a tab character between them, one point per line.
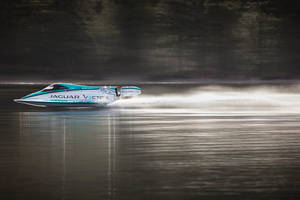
173	142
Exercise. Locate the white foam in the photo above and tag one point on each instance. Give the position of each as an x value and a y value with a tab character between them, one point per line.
221	99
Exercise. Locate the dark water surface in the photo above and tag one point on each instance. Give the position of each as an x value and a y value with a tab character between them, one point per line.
204	143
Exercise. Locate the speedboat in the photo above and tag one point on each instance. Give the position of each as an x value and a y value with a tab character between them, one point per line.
70	95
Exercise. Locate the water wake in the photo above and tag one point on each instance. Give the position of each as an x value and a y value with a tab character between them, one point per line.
215	99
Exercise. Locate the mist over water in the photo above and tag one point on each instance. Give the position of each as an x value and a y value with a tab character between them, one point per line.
225	100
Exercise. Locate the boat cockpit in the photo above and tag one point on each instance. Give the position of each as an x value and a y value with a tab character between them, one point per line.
54	87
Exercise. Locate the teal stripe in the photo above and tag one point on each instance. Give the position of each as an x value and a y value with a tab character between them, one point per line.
41	92
60	101
131	87
79	87
46	92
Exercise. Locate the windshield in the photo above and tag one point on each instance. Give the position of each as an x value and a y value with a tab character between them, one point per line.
54	87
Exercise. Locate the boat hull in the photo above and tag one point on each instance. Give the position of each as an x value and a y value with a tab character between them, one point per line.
70	95
61	104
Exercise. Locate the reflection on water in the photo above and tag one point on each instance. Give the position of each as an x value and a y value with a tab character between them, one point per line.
141	150
58	149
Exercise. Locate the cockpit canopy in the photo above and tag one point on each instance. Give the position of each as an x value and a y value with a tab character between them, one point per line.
54	87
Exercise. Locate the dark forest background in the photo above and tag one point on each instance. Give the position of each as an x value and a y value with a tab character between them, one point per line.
149	40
